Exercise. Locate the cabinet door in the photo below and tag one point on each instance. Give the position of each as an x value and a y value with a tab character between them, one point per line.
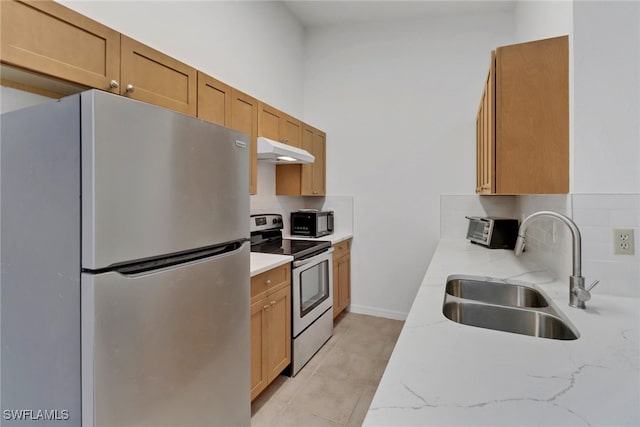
214	100
307	170
278	332
269	122
486	136
336	289
532	117
244	118
151	76
259	379
344	274
320	164
48	38
291	131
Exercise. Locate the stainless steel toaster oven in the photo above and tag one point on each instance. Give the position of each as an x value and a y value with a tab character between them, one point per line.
494	233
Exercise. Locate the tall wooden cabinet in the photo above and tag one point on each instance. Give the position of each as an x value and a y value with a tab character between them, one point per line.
341	276
270	326
307	179
522	126
244	118
313	176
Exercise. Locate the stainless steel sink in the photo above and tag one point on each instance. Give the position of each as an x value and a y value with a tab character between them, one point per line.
509	319
493	304
494	292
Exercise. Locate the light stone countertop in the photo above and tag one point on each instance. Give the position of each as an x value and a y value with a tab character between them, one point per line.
263	262
442	373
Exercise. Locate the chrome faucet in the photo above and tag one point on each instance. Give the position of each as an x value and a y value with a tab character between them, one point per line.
578	295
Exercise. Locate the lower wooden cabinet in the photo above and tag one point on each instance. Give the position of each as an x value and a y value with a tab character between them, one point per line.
341	276
270	326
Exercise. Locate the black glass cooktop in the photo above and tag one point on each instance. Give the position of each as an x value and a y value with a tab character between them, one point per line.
296	248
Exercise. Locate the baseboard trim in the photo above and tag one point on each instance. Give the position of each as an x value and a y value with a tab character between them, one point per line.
378	312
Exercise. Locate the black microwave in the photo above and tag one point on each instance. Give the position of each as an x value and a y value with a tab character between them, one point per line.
494	233
311	223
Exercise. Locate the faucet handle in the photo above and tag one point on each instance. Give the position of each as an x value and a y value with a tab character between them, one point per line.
584	294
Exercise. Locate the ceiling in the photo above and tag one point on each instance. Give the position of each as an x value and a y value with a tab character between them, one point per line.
313	13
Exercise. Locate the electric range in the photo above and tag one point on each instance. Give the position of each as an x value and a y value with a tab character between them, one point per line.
311	285
266	237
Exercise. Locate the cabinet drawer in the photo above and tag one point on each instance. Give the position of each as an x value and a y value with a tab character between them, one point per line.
271	279
341	249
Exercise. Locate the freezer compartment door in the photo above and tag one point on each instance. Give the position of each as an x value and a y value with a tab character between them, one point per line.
156	182
168	348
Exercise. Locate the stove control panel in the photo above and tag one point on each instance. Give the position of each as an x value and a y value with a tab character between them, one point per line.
265	222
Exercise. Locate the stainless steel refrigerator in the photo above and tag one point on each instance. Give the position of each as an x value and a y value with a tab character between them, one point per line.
124	280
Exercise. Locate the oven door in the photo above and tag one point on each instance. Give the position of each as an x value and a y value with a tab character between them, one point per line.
312	289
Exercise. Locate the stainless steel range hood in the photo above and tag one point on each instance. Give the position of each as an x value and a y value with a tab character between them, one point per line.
277	152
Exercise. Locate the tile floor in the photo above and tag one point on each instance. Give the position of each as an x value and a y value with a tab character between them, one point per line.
336	387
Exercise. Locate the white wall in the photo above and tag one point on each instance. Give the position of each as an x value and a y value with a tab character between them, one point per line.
13	99
255	46
398	101
607	97
542	19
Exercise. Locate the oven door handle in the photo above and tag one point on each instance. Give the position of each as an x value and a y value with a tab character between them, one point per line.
302	262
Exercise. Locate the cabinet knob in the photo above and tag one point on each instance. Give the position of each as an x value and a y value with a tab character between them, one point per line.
266	307
113	84
130	89
268	281
273	302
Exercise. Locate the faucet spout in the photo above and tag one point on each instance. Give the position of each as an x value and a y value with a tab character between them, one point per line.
577	292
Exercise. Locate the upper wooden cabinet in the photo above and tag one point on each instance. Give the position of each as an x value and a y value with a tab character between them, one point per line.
48	38
279	126
307	179
151	76
291	131
244	118
314	175
522	125
214	100
269	121
486	135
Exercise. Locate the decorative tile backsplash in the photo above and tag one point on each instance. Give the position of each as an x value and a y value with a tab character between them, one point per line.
454	208
549	242
283	205
598	215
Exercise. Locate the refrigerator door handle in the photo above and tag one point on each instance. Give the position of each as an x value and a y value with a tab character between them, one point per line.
162	263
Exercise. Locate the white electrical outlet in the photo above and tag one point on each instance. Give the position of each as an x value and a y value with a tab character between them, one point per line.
623	241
